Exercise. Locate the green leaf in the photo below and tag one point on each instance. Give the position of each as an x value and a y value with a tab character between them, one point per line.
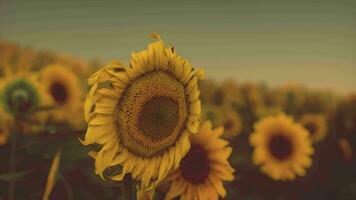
12	176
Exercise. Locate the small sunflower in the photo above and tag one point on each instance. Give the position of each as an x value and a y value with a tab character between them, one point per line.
225	94
281	147
253	97
5	126
344	117
207	88
345	147
231	122
211	113
63	86
316	126
202	171
142	115
291	97
21	93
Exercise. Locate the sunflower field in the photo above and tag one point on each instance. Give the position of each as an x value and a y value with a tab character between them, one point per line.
158	127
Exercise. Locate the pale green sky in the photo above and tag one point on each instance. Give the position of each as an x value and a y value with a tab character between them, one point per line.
313	42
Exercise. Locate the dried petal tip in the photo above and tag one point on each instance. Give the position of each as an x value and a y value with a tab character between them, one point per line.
200	73
155	36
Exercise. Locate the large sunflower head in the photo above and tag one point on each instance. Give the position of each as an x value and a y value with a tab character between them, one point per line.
5	126
281	147
202	171
63	86
21	93
142	115
315	125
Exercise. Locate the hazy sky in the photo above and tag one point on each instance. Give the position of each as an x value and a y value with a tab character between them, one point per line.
313	42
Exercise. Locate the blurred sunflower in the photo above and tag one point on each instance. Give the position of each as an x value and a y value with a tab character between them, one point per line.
281	147
63	86
21	93
252	96
225	94
266	111
231	121
345	147
291	97
319	101
211	113
316	126
145	195
207	88
5	125
202	171
142	115
343	118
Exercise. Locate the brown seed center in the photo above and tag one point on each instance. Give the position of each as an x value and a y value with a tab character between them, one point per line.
59	92
195	165
158	117
280	147
311	127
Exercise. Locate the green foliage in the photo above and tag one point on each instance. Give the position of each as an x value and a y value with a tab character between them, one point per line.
13	176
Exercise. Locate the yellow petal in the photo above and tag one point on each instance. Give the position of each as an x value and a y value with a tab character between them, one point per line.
119	158
148	174
177	188
102	120
192	126
195	107
217	184
222	171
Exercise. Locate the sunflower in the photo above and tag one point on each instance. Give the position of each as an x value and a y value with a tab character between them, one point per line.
281	147
316	126
21	93
211	113
345	147
291	97
253	97
231	122
63	86
225	94
202	171
5	126
344	117
142	115
207	88
145	195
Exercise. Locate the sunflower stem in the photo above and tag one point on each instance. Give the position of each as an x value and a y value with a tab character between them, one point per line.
12	164
126	189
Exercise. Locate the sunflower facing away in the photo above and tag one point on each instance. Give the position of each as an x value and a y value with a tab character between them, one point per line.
21	93
281	147
202	171
64	88
142	115
316	126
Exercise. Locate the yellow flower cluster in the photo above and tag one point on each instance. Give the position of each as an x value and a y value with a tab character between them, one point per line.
146	117
156	125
